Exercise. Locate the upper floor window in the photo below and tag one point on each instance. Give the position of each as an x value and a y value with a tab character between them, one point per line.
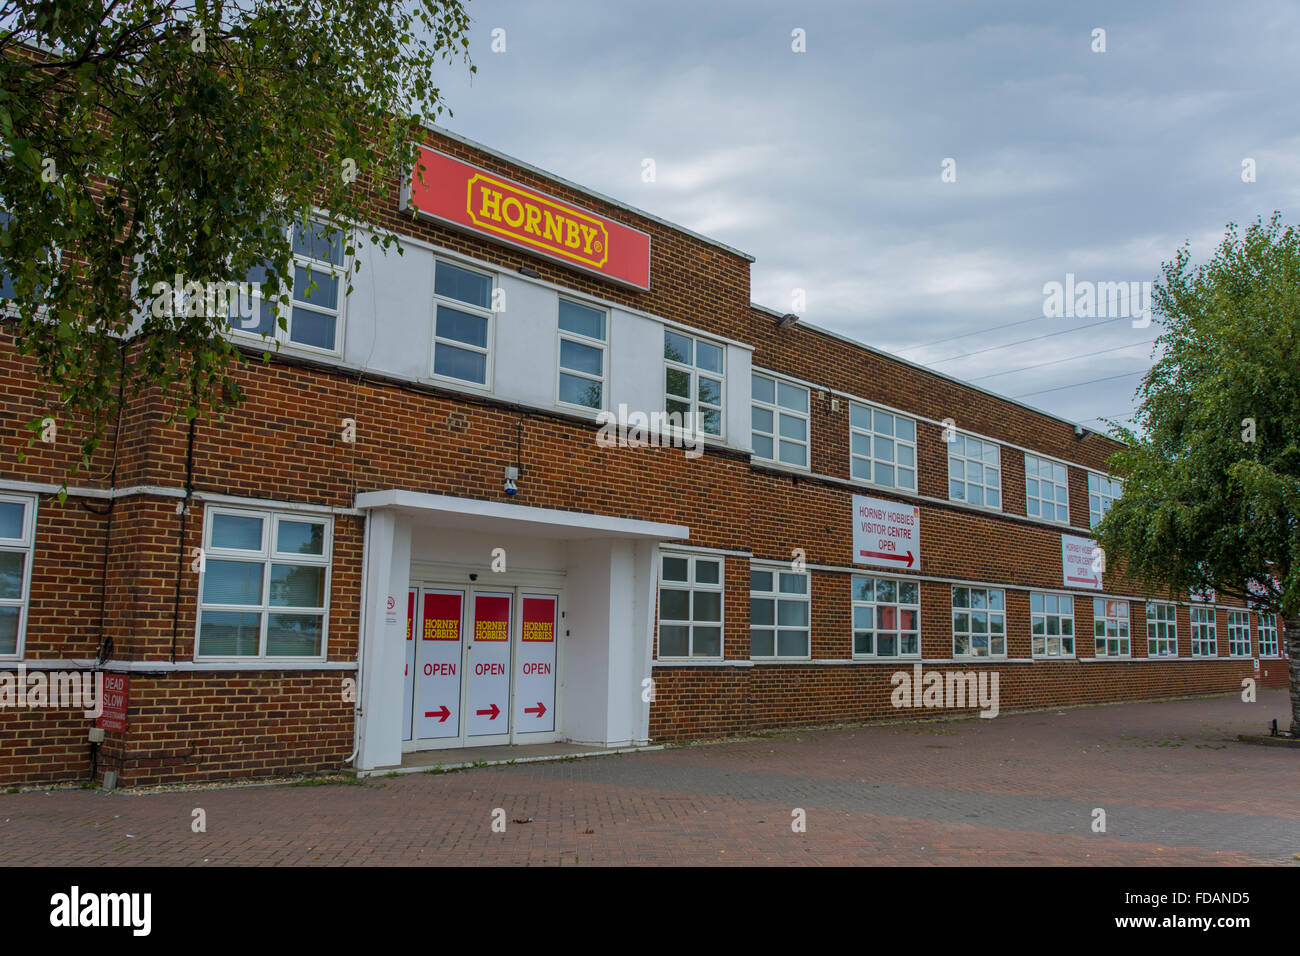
1205	638
979	622
690	606
315	292
1110	628
1162	630
778	613
975	471
6	280
1046	491
1051	624
1239	633
779	421
1268	646
17	534
1102	492
264	585
462	325
886	618
882	447
582	355
694	372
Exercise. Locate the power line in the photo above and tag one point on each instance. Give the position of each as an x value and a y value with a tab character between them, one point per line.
1093	381
994	348
954	338
1072	358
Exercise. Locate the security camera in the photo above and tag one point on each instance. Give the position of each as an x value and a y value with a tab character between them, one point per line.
512	473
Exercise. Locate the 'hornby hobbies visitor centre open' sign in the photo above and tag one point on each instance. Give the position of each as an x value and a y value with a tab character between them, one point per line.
475	200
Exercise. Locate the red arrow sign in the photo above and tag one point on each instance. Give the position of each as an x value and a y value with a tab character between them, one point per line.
888	557
442	714
490	713
1082	580
539	710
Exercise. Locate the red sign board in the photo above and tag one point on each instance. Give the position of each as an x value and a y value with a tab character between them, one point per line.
539	619
477	201
116	690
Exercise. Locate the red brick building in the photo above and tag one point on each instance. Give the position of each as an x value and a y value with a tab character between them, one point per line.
425	529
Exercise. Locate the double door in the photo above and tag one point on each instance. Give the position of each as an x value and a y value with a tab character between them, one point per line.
482	666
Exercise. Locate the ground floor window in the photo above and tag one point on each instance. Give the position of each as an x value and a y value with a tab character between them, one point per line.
17	534
1162	630
778	613
1239	633
979	622
690	606
1268	635
1051	624
1110	628
264	585
1205	642
886	618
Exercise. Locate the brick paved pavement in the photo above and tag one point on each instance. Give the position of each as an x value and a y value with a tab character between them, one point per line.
1176	786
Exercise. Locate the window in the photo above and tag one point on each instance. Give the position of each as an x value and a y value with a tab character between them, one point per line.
778	613
1110	628
979	622
17	534
582	355
1051	624
6	280
1268	646
1102	492
779	421
882	447
886	618
1047	493
1162	630
694	371
690	606
462	325
315	292
974	472
264	586
1205	641
1238	633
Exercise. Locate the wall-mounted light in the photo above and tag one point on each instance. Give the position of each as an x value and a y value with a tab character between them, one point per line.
787	320
530	272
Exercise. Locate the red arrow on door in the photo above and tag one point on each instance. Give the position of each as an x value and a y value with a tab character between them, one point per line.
490	713
441	714
539	710
888	557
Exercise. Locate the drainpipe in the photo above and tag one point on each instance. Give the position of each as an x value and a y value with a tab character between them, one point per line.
362	621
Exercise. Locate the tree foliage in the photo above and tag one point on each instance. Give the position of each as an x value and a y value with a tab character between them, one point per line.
146	140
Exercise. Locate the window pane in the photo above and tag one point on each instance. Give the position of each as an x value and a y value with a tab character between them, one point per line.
673	640
675	569
761	643
884	474
297	585
708	642
793	397
8	630
11	519
320	241
232	582
677	382
711	422
457	283
909	593
228	634
706	572
580	391
582	320
792	427
677	347
764	390
794	584
761	612
763	447
862	619
710	391
326	292
11	574
708	357
459	363
300	537
792	454
673	605
792	613
581	358
237	532
293	635
859	417
904	429
462	327
313	328
760	580
792	644
708	606
760	420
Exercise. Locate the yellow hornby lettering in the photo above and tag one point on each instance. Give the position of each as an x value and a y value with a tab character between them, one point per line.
554	228
533	221
515	220
571	237
494	200
588	234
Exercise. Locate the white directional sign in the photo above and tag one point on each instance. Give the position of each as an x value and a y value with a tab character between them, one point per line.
886	534
437	662
535	683
487	700
1081	562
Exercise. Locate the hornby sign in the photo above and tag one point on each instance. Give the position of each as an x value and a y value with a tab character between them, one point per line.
475	200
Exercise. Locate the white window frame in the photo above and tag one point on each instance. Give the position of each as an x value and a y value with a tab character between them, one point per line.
1045	607
777	410
872	460
460	305
1235	628
776	595
602	345
694	372
1053	483
1268	636
1205	632
267	556
313	266
967	460
692	586
1162	617
1121	634
875	604
969	632
25	544
1105	491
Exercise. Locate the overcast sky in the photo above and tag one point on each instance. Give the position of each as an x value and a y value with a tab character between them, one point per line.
826	165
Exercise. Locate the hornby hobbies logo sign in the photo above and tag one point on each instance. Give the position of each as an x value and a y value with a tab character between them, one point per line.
475	200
